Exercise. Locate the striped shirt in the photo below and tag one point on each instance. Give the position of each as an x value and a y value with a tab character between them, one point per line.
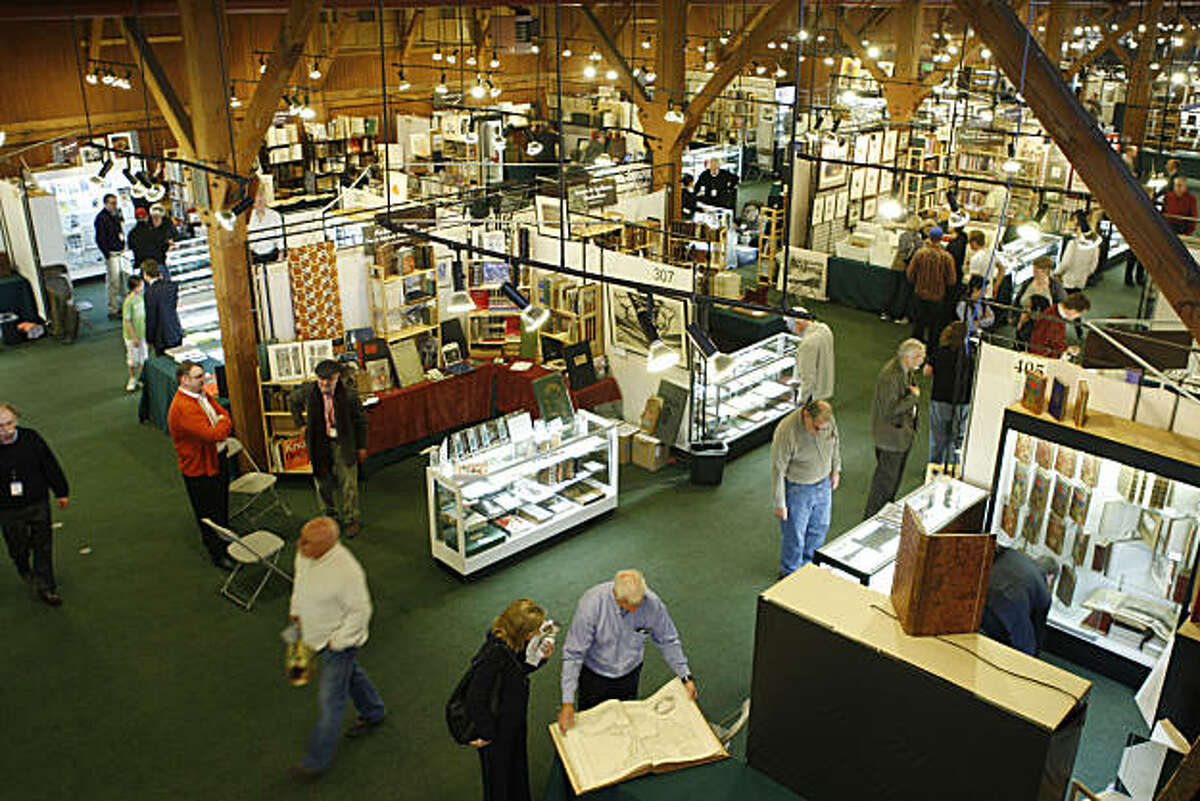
931	271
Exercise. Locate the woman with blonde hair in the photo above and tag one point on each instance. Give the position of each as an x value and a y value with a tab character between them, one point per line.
498	697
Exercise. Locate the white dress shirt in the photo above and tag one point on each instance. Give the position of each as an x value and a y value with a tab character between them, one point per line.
330	597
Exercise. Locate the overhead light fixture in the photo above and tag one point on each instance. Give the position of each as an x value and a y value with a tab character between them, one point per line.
720	363
611	75
567	52
495	62
659	357
873	52
234	102
534	48
710	64
478	91
828	61
262	65
493	90
1178	78
780	72
958	218
315	73
460	301
803	35
533	317
437	54
672	115
92	78
759	69
129	176
1082	221
1011	165
228	217
471	60
441	87
534	147
307	112
107	78
594	55
891	209
589	71
452	57
156	192
771	45
651	75
636	71
646	44
985	54
98	178
404	85
783	45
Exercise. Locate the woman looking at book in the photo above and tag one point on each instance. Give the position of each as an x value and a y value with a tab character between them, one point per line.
520	640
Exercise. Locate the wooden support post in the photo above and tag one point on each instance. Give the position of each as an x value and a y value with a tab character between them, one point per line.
1056	23
1110	39
908	25
1137	95
159	85
1076	134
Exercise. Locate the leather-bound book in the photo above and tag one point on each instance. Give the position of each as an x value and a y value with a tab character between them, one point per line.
940	584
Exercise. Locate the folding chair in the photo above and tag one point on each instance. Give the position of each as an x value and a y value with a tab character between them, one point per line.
261	547
256	484
728	727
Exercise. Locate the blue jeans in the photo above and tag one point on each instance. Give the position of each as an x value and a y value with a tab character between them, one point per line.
341	678
947	427
808	509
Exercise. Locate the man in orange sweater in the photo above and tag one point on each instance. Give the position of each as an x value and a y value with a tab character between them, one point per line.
198	429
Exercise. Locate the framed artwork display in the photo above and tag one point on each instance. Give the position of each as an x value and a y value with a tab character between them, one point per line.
286	361
889	147
843	204
315	352
818	210
855	214
549	216
875	147
858	179
807	273
885	182
868	210
872	186
862	148
832	174
623	307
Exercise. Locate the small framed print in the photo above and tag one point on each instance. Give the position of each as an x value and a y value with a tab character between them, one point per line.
862	148
858	179
875	147
286	361
818	210
843	204
872	187
855	214
315	352
868	211
885	182
889	147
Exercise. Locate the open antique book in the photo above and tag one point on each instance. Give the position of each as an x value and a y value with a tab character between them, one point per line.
620	740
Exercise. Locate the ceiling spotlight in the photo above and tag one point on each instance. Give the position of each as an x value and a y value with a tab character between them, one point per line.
478	90
803	35
92	78
156	192
952	49
589	71
452	57
759	69
783	45
723	38
315	73
1011	165
437	54
720	363
828	61
820	37
533	48
873	52
645	43
651	75
672	114
1154	65
493	90
471	60
567	52
532	317
108	78
441	87
985	54
233	98
1178	78
307	112
105	168
709	64
594	55
636	71
460	301
771	45
404	85
780	72
610	75
495	62
262	65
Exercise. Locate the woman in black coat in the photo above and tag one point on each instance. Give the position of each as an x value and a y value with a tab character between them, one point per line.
498	699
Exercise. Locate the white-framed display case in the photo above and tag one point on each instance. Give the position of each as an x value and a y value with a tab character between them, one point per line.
867	552
503	486
758	391
80	199
1114	504
1021	253
190	266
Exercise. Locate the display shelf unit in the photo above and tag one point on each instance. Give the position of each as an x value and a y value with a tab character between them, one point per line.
191	271
576	310
494	502
757	392
79	200
867	552
404	292
1115	505
493	328
285	440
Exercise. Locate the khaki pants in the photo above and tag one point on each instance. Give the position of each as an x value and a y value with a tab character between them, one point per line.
114	264
338	491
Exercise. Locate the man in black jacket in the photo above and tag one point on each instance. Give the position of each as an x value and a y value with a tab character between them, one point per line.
30	473
163	329
335	427
110	238
717	187
152	238
1018	600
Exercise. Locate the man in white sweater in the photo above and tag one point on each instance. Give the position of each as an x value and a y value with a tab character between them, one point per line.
332	606
1079	260
814	356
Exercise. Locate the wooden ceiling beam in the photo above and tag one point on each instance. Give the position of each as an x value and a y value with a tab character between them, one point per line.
1075	132
96	38
610	51
853	41
159	84
1110	39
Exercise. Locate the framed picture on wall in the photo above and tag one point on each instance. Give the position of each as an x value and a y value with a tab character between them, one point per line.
872	187
868	210
623	308
315	352
832	174
885	181
818	211
875	151
862	148
549	216
286	361
855	214
858	180
889	147
843	204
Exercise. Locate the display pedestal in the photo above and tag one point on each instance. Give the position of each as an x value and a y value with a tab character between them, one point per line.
899	717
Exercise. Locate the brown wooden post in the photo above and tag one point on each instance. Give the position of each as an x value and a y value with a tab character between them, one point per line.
1137	95
1076	134
1056	23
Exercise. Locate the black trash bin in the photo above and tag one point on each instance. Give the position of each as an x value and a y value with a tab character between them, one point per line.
708	462
9	332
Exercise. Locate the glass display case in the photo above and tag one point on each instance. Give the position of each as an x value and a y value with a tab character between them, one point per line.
867	552
191	270
1113	505
757	391
1020	253
507	484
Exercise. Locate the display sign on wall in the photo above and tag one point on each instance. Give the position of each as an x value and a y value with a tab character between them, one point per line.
806	273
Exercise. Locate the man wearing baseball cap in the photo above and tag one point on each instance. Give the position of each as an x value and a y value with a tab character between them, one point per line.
931	272
152	237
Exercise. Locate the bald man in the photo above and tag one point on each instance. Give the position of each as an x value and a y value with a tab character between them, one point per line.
332	606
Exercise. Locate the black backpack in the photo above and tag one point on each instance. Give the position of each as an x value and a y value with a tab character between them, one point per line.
462	728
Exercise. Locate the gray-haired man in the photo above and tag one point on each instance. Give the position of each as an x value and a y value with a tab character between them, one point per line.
894	421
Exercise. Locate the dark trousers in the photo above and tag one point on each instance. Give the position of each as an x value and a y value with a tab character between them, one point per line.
594	688
27	535
210	498
505	767
927	320
901	300
1132	265
889	468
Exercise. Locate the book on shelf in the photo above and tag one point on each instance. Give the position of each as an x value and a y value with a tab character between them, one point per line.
620	740
291	452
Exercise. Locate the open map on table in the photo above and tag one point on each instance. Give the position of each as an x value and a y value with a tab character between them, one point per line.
620	740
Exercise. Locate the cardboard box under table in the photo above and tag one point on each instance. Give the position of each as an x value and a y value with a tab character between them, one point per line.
845	705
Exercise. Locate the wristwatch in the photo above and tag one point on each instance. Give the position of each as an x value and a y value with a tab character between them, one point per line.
688	677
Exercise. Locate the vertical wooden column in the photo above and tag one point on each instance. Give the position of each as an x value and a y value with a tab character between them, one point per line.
1076	134
1137	94
1056	24
199	21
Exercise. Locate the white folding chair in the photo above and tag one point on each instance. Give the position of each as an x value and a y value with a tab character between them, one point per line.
255	484
259	547
731	724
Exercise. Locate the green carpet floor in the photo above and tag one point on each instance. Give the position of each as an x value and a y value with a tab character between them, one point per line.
147	685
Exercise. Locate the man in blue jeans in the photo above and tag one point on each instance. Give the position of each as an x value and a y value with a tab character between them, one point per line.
332	606
806	463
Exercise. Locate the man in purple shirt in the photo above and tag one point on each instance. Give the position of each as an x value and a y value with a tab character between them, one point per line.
602	655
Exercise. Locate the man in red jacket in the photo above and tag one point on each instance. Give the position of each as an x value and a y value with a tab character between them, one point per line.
1179	207
198	430
1049	337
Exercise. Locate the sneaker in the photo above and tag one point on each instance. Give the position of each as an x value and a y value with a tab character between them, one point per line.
363	726
901	321
884	316
131	385
51	597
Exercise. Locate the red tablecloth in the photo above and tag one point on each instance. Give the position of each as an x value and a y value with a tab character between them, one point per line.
414	413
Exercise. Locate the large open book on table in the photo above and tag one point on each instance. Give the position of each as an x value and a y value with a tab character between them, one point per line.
620	740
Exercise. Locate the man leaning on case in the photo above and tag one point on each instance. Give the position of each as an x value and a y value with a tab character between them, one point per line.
894	422
605	646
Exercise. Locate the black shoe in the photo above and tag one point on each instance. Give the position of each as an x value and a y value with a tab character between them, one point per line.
301	774
363	726
50	597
